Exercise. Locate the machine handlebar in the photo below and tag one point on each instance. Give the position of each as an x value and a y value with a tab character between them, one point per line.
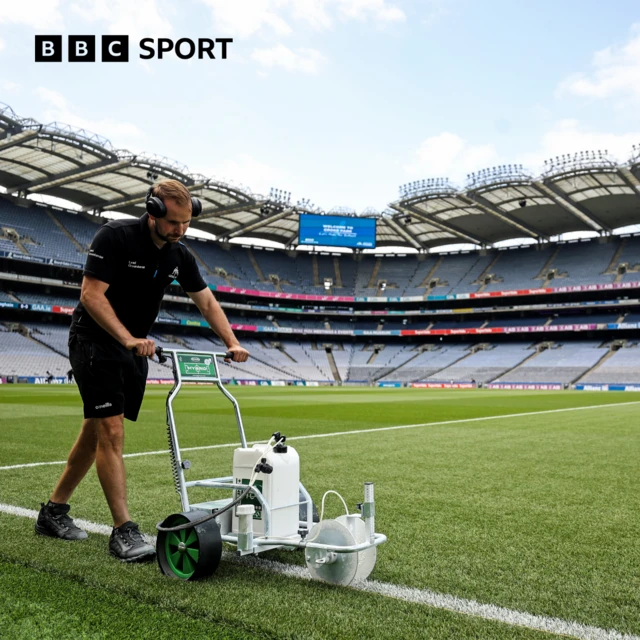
162	358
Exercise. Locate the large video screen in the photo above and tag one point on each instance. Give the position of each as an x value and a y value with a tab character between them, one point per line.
337	231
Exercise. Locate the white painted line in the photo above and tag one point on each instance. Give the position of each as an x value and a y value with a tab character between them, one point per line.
567	628
350	433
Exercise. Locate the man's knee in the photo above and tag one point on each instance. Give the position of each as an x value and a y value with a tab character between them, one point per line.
110	430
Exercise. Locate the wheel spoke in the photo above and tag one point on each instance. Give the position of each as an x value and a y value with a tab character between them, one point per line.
187	565
173	540
174	558
192	538
194	554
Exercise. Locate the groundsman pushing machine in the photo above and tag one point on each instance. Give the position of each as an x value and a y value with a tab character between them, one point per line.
269	507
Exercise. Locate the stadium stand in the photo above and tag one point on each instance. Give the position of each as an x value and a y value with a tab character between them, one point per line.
421	364
42	249
62	235
564	363
24	356
35	232
484	364
621	367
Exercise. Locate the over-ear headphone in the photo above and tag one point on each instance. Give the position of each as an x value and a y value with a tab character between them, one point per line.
156	208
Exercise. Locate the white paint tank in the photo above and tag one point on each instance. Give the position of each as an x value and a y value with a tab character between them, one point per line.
279	488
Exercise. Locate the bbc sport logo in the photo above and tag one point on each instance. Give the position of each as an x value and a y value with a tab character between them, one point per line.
116	48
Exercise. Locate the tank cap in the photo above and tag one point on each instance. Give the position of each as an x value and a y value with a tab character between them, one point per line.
245	510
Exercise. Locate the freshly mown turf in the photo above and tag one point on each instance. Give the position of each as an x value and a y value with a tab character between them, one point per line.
536	513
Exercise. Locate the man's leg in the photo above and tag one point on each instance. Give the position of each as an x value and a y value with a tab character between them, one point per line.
102	440
126	542
53	518
110	466
80	459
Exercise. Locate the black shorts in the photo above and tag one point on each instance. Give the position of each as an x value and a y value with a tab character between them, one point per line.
111	379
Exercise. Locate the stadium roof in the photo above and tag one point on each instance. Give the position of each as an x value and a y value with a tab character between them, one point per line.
580	192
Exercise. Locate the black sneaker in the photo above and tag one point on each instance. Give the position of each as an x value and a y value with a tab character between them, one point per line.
127	544
54	522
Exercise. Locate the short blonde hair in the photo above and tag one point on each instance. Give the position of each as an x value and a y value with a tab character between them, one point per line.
173	190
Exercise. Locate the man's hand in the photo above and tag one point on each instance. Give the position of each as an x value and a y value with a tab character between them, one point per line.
141	346
238	354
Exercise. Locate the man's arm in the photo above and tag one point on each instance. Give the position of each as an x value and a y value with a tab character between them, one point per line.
96	303
215	316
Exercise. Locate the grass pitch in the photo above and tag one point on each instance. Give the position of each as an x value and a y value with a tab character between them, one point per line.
534	513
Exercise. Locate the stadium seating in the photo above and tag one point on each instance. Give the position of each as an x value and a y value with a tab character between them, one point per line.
422	365
564	363
38	234
622	367
23	356
485	364
517	268
46	233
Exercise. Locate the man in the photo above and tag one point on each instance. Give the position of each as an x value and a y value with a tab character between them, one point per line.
129	266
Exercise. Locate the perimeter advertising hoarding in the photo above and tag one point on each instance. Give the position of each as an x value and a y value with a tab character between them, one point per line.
337	231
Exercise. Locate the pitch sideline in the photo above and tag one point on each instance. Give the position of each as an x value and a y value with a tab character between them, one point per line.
443	601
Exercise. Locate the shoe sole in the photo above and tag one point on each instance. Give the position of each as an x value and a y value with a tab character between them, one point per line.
46	533
145	557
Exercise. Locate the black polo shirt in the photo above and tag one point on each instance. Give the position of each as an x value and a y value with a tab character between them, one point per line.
124	256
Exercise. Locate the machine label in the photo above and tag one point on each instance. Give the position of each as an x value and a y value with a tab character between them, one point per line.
250	498
199	365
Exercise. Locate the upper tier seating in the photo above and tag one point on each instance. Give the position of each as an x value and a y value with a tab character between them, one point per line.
46	233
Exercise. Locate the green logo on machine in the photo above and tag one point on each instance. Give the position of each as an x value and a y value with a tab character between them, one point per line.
199	365
250	498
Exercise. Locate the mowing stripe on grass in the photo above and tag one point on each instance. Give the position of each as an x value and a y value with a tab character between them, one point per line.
427	597
347	433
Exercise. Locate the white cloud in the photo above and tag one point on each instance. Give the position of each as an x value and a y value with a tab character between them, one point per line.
304	60
615	73
568	136
10	87
58	109
244	19
379	10
448	155
38	14
313	12
2	44
139	19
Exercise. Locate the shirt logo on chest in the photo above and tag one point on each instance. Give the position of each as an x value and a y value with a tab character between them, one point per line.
134	265
174	274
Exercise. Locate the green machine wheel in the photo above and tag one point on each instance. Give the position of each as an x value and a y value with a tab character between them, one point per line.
190	553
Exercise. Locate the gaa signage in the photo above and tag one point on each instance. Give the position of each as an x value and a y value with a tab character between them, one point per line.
116	48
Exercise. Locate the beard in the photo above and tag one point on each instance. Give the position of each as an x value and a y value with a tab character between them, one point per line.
166	237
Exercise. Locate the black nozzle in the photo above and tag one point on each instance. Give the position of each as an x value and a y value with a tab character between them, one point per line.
264	467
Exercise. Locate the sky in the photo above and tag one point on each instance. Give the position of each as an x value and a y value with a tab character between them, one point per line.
340	101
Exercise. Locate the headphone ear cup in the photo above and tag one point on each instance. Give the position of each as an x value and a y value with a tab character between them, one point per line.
155	207
196	207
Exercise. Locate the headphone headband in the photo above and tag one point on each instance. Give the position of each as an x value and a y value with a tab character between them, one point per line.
156	207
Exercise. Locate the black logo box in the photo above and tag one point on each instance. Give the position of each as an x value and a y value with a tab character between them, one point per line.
82	48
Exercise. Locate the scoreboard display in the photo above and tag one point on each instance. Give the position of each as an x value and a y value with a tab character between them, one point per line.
337	231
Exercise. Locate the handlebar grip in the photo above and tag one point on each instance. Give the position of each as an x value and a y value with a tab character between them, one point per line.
228	356
161	357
